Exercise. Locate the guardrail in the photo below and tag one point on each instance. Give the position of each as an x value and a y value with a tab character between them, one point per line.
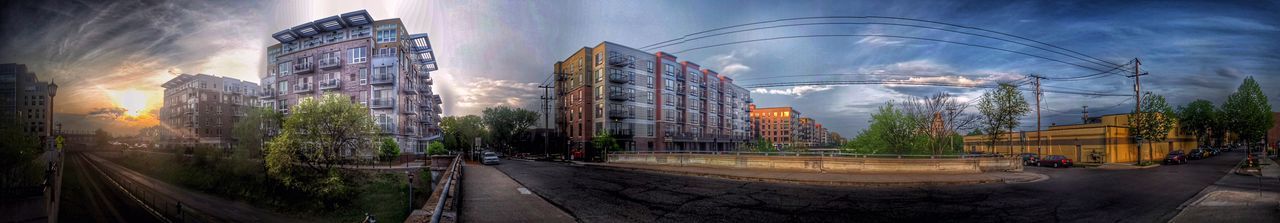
444	195
824	154
162	207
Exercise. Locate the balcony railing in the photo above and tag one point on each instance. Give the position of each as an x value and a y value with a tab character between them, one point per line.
301	68
267	93
619	78
409	89
408	110
330	84
619	113
382	78
382	103
621	133
330	62
302	88
620	61
618	95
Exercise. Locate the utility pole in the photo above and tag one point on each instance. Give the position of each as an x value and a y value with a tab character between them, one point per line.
546	116
1137	105
1084	117
1039	93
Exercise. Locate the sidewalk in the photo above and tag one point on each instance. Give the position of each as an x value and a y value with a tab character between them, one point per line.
488	195
854	179
1237	198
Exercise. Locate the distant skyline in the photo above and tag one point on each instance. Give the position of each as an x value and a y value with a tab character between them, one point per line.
497	53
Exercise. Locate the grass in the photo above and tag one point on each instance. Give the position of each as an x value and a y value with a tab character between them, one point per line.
380	194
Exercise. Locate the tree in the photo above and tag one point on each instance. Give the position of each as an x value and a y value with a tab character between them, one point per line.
1248	112
389	149
102	138
1197	118
17	153
505	124
251	131
891	129
436	148
1153	122
763	145
320	133
1002	107
940	116
605	142
460	131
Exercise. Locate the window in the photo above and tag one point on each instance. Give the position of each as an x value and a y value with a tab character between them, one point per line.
649	78
670	70
285	68
359	54
284	87
650	97
363	73
386	52
649	66
387	33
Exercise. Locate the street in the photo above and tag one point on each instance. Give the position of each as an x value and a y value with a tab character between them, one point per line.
90	197
595	194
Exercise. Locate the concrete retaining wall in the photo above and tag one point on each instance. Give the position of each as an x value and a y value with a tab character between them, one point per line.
825	163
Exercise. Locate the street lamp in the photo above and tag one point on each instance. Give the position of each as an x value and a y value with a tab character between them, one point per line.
410	173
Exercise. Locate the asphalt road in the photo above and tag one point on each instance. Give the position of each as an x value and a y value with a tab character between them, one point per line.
89	197
594	194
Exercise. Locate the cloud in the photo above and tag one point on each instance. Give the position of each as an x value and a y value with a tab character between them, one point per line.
878	41
107	113
731	64
479	93
797	91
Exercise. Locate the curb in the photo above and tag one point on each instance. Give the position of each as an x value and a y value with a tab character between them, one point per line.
810	182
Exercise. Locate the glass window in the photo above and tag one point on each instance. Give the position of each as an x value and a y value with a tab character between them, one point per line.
359	54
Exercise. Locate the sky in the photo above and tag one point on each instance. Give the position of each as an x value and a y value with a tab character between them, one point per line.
110	57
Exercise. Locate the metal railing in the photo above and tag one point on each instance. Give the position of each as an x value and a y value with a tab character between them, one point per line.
448	185
824	154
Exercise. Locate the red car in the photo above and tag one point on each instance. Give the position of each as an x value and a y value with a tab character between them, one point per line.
1054	161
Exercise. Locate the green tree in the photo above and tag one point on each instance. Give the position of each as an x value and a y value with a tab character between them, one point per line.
605	142
763	145
891	129
102	138
1001	109
320	133
1153	122
506	124
1248	112
436	148
17	152
389	149
460	132
1197	118
251	131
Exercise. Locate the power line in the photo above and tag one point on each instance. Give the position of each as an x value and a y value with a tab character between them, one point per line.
881	17
682	40
888	36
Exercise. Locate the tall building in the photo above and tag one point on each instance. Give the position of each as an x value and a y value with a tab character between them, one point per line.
26	101
378	64
201	109
648	101
784	126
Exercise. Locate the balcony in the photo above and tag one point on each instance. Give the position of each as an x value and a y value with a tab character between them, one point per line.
410	131
330	84
619	78
303	67
425	88
387	127
620	61
408	110
618	95
382	78
621	133
427	81
409	89
382	103
330	62
302	88
618	113
267	93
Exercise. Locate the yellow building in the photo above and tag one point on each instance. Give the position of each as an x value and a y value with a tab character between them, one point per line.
1107	136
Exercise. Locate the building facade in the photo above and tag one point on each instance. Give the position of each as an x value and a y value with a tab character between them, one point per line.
26	101
378	64
648	101
786	127
201	109
1105	138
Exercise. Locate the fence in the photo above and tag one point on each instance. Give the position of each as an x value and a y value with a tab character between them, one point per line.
443	204
823	161
163	207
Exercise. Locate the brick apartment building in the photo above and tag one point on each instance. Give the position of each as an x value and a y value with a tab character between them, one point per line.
649	101
201	110
785	127
378	64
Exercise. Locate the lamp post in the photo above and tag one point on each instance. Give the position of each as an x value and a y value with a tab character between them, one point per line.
410	173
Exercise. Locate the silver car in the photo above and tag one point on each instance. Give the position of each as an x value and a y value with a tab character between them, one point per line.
489	158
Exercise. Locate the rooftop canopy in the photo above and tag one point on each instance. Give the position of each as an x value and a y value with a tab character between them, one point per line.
327	24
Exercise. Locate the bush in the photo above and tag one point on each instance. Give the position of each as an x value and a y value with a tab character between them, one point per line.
389	149
436	148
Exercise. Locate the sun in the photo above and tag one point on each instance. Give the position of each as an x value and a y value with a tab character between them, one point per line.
135	101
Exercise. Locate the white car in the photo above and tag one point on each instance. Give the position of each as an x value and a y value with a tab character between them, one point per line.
489	158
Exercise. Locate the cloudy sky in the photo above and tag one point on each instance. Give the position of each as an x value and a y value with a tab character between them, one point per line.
110	57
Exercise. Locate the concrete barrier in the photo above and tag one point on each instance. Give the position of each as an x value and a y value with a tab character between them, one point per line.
823	163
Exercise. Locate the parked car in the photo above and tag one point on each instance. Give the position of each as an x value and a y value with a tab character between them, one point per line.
1055	161
1175	157
489	158
1029	158
1214	151
1196	154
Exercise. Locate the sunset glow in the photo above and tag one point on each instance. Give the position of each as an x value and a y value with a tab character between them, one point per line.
136	101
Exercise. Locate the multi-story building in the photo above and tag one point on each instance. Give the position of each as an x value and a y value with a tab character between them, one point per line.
649	101
785	127
201	109
26	101
378	64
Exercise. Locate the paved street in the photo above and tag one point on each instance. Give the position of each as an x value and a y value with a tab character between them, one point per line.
1072	195
91	197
